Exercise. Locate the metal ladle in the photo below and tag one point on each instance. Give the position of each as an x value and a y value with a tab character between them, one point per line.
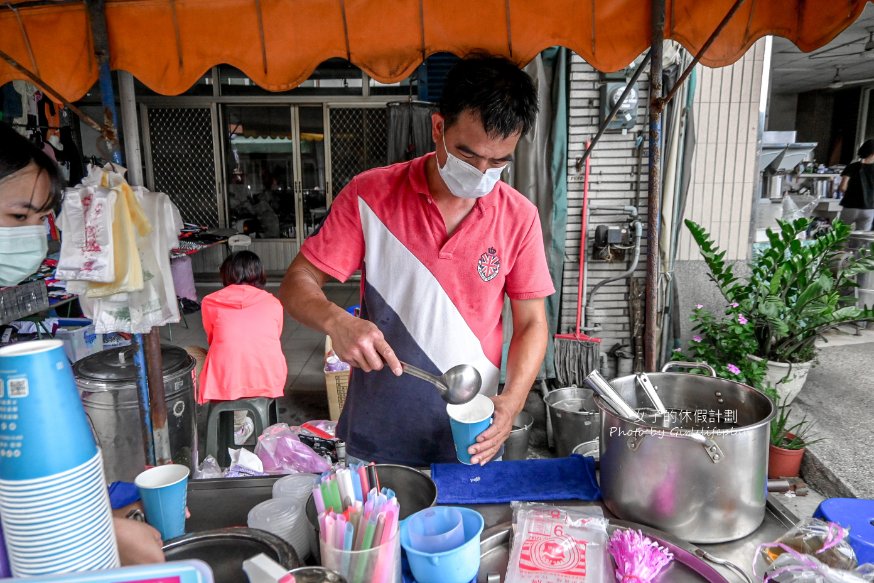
457	386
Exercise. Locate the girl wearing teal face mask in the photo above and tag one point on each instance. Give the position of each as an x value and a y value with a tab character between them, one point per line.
30	188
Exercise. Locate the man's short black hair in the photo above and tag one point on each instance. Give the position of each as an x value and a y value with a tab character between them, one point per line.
494	88
866	149
243	268
17	153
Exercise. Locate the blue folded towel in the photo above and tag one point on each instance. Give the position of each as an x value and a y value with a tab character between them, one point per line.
568	478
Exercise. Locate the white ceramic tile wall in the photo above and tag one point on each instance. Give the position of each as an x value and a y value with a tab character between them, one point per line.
724	171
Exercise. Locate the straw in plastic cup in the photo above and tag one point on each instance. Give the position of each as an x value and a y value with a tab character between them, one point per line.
378	564
164	491
467	422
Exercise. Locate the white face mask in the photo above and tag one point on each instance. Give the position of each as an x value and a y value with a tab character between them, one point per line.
465	181
22	250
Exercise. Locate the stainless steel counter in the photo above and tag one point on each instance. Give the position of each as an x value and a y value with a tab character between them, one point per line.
226	502
740	552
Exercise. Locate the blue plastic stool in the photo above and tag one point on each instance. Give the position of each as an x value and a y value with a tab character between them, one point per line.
857	515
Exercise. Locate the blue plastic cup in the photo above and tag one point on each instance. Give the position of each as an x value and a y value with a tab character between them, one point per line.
457	565
467	422
164	491
43	427
437	529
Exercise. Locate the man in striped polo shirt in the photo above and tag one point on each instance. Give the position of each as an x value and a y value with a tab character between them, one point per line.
440	242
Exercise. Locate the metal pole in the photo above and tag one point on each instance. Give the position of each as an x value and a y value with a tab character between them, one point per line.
154	360
650	340
157	399
147	359
130	130
143	399
97	19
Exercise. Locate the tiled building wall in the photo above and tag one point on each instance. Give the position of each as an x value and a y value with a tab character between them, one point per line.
720	194
724	172
613	180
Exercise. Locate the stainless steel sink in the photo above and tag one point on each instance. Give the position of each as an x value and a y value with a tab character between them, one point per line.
225	502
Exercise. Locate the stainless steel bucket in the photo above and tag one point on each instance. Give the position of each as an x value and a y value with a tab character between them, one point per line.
107	385
574	418
696	476
516	446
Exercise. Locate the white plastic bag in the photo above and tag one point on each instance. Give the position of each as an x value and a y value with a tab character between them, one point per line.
796	568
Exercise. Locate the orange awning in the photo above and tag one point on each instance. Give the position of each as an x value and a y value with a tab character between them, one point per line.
169	44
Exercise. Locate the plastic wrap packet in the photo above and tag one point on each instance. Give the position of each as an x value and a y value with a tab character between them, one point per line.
281	451
208	469
793	567
554	544
244	464
813	536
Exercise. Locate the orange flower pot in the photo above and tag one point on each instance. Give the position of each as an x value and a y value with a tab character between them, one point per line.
784	463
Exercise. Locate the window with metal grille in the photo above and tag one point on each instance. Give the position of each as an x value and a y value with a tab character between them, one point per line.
358	142
183	161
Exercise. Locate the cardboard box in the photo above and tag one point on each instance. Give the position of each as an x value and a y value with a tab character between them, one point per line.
79	338
337	383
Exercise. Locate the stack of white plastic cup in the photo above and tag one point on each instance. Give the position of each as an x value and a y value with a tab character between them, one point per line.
297	488
280	517
53	499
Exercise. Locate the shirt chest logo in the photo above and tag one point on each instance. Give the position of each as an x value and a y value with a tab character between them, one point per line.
488	265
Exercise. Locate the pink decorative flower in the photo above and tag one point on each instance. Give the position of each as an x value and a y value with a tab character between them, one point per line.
733	369
699	306
741	320
734	304
696	338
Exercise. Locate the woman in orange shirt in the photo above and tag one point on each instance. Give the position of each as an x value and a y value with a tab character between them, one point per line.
243	323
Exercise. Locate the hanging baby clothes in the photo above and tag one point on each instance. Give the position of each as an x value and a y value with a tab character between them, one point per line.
86	221
155	304
129	222
144	227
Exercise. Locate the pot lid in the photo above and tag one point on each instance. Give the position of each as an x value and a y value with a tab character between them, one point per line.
117	364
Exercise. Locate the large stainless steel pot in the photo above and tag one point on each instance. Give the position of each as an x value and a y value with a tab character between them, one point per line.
705	482
107	383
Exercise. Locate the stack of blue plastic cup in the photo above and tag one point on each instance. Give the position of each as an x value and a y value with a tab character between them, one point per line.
54	504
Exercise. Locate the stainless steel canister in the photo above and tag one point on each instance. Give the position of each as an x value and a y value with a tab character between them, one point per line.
107	383
699	473
858	241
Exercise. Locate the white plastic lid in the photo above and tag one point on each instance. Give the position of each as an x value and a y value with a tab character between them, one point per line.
276	514
296	486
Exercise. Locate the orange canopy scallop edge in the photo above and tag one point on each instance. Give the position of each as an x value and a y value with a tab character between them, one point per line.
278	43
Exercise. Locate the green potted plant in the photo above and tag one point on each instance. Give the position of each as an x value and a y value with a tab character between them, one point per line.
792	295
788	444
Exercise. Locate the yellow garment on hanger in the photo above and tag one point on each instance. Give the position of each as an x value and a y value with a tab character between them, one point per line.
128	223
